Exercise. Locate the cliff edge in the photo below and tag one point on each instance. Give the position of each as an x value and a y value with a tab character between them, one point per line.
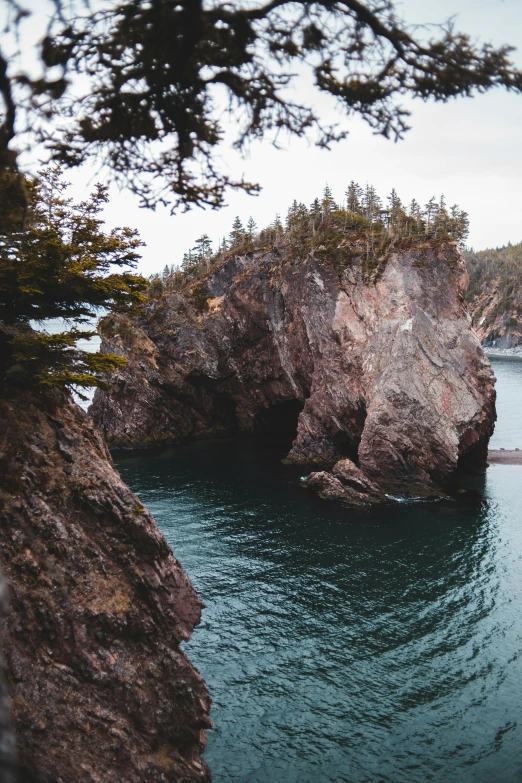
376	370
100	688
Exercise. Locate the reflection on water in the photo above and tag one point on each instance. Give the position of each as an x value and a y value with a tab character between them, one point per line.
340	645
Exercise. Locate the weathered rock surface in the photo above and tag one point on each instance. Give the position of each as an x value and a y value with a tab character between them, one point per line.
386	373
8	766
100	689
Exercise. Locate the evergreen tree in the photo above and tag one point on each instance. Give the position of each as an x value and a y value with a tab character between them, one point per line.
328	204
459	224
429	213
415	210
395	212
315	214
251	229
296	217
189	266
237	235
292	215
354	196
203	246
371	205
56	262
202	251
441	219
155	287
415	219
277	226
187	262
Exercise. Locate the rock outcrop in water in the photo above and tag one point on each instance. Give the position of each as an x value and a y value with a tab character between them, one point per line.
380	376
100	688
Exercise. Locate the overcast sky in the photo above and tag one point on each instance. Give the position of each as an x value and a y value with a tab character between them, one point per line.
468	149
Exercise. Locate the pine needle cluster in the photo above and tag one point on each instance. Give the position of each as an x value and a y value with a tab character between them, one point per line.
58	265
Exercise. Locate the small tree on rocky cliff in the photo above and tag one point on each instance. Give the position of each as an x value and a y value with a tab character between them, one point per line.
328	202
251	229
56	262
354	196
203	251
237	235
460	219
395	214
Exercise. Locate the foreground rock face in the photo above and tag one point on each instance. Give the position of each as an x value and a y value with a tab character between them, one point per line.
100	688
8	765
388	374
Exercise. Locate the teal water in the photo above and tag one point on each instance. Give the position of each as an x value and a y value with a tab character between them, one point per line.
341	645
508	429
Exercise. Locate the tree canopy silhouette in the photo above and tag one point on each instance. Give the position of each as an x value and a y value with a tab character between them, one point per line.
140	84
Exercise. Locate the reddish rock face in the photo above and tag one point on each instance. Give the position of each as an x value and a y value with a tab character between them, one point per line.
100	689
8	763
386	373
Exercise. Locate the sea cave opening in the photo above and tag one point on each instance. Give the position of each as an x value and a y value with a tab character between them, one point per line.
279	422
347	442
224	412
474	458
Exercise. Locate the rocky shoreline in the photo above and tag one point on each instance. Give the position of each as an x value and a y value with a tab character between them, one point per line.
505	457
515	352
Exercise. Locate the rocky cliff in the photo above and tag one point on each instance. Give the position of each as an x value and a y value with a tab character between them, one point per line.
100	688
495	296
379	372
8	764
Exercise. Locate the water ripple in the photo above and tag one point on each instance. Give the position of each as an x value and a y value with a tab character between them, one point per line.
382	645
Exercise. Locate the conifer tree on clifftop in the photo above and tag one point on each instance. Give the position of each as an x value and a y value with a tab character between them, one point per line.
237	234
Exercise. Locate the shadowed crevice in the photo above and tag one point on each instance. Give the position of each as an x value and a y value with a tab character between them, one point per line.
280	420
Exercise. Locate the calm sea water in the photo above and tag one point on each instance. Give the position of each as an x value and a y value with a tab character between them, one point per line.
340	645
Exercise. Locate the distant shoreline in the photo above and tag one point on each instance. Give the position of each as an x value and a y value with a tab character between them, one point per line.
516	352
505	457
